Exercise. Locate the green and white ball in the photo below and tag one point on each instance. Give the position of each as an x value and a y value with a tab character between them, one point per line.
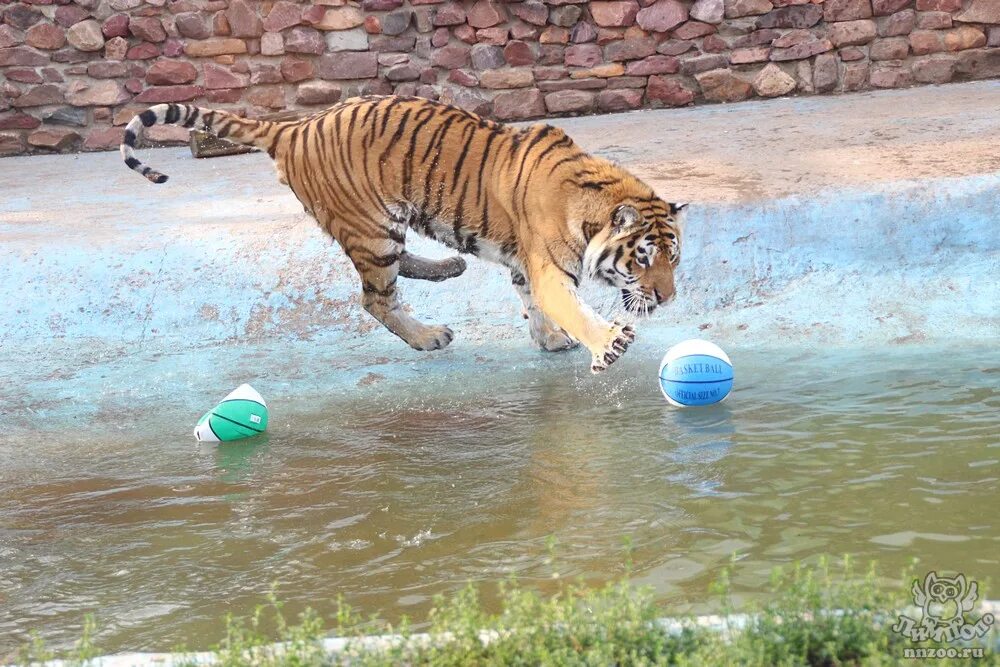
241	414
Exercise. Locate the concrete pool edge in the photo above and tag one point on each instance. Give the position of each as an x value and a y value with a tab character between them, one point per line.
127	314
909	261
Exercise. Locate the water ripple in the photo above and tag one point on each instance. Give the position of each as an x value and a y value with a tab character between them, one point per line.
389	497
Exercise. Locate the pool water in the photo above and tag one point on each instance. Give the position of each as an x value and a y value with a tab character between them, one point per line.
406	485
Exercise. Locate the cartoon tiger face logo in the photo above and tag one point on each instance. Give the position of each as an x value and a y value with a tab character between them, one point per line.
944	598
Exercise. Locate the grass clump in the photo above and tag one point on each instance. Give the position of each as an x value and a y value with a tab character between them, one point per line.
613	625
816	615
247	642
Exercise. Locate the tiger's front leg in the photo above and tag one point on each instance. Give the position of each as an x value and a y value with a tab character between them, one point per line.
556	296
377	262
547	334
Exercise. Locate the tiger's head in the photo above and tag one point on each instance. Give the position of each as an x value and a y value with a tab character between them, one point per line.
637	250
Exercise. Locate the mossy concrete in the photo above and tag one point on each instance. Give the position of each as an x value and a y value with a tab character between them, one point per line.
859	219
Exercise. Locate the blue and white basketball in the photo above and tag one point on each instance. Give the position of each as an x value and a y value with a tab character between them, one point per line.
695	372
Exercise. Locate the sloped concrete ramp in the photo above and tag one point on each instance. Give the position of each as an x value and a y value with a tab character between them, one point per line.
866	219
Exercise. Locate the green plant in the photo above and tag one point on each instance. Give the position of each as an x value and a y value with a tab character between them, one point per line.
823	614
816	618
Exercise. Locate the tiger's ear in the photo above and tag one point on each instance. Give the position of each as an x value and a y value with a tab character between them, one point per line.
624	216
677	208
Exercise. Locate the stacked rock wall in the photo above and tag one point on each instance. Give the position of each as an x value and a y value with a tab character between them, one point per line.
73	73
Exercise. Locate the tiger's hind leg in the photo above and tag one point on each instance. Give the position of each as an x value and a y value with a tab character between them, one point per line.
378	263
435	270
547	334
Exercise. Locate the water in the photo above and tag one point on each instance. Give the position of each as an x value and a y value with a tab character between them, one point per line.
395	490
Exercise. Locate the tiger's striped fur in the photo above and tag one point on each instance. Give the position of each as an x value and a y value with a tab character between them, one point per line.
369	169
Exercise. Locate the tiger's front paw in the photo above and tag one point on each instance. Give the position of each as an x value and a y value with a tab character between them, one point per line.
621	337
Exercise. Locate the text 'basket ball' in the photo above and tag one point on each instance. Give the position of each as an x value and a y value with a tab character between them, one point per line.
695	372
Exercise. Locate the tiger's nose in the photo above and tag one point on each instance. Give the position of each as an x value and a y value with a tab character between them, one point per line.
660	297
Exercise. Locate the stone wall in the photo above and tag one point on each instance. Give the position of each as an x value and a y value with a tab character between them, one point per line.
73	73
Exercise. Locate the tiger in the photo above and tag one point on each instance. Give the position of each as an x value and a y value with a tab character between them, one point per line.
369	169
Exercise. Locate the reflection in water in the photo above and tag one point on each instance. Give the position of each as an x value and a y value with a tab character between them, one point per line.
235	460
707	439
405	489
565	454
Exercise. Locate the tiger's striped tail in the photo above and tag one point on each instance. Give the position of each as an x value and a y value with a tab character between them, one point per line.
259	133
